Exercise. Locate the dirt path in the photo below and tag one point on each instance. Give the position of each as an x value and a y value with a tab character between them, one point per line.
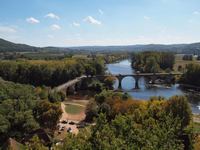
66	103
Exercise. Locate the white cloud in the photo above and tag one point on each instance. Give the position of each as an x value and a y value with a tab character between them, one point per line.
163	31
6	29
76	24
100	11
169	36
197	13
51	16
54	27
90	34
141	36
78	35
91	20
78	38
145	17
191	21
50	36
32	20
117	40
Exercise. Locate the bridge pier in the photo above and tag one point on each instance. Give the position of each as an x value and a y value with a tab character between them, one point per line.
169	78
120	81
153	79
136	80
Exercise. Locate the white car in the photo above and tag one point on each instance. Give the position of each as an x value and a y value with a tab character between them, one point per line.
69	130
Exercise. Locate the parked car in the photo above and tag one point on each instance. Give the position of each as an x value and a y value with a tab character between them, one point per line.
72	122
58	126
69	130
64	121
63	128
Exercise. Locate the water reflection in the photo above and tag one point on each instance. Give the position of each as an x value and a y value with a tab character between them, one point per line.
144	89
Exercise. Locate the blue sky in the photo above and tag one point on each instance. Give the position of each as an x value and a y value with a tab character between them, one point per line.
99	22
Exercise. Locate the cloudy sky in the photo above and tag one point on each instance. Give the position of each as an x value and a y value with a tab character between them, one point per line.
99	22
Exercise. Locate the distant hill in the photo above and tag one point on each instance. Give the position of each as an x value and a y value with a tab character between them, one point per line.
193	48
172	47
6	46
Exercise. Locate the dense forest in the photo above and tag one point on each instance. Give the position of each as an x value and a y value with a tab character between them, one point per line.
191	74
124	123
23	109
50	73
152	61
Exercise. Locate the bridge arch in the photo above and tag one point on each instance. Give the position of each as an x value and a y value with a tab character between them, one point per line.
128	79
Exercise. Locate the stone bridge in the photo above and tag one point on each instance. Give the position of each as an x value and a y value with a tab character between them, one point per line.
137	76
71	86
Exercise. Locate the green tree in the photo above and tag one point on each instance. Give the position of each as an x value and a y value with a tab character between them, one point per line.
179	107
36	144
49	114
105	108
168	70
62	95
110	81
91	109
179	68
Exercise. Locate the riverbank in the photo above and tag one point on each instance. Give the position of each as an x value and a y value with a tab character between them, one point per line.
190	86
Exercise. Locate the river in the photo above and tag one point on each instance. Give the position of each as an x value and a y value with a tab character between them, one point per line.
145	89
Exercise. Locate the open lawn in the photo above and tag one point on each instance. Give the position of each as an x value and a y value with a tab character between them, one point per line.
196	128
179	61
73	109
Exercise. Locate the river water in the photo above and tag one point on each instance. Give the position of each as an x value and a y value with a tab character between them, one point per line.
146	89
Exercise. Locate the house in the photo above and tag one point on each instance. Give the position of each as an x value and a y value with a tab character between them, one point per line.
14	144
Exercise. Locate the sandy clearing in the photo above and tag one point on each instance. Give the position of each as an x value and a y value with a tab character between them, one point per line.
71	117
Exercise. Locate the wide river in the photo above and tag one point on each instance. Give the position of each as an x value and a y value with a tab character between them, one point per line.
145	89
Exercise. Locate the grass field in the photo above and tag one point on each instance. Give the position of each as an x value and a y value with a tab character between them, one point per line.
179	61
73	109
196	128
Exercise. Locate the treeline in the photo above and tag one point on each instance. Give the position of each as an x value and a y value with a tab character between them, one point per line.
188	57
50	73
191	74
23	109
36	56
114	56
152	62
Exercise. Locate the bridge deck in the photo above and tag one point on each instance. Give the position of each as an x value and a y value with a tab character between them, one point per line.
144	74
